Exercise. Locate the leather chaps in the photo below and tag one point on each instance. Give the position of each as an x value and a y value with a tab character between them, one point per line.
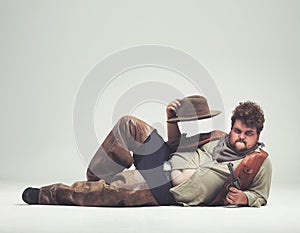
107	183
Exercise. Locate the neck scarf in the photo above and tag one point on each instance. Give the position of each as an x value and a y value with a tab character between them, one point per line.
224	152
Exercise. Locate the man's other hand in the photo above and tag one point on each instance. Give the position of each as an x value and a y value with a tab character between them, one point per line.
172	107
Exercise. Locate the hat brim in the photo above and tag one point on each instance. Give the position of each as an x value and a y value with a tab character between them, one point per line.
193	118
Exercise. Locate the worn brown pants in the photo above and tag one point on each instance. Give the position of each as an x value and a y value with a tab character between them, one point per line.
108	184
114	155
128	188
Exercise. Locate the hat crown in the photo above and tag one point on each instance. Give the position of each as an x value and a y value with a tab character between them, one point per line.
193	106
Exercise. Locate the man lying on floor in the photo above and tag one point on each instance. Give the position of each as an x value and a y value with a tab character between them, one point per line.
189	171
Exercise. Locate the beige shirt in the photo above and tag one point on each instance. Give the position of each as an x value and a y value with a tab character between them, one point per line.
205	184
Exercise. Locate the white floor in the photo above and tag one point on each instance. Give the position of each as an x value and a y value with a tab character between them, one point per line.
280	215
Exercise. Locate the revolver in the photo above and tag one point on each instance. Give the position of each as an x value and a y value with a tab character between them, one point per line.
235	182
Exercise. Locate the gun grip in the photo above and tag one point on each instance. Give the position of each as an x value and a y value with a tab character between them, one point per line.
228	186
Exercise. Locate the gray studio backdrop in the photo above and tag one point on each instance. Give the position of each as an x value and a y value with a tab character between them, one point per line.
250	48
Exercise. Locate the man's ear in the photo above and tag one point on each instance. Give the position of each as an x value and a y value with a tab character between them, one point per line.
258	135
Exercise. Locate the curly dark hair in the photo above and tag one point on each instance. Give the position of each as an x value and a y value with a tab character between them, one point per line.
250	114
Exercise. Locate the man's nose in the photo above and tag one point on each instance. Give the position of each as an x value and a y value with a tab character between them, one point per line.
242	136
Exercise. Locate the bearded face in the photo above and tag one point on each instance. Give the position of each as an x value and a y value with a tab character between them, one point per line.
242	137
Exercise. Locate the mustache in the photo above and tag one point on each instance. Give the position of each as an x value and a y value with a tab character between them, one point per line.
241	140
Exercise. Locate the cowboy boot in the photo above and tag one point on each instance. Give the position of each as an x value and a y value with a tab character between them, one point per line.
127	189
114	155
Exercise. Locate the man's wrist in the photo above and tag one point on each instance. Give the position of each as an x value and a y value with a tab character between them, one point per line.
244	199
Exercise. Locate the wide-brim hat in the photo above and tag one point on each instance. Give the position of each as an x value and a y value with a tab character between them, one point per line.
193	107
